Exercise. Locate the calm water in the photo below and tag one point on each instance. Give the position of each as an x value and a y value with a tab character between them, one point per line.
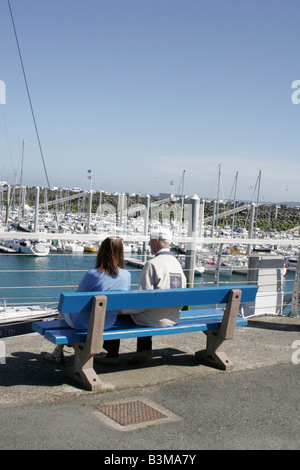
29	280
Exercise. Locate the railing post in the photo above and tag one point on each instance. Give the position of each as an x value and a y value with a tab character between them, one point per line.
191	246
146	224
252	214
89	212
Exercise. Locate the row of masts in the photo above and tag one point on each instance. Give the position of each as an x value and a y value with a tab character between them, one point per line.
121	211
215	220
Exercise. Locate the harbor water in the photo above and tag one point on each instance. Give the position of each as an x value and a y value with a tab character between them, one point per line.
29	280
32	280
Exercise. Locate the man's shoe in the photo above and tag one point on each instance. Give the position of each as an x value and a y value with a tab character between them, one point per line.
141	357
112	361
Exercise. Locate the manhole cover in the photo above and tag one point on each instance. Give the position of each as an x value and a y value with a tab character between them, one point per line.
134	413
131	412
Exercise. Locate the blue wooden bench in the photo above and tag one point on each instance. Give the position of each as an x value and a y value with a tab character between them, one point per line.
217	324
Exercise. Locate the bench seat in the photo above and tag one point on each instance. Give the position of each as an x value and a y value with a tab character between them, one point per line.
58	332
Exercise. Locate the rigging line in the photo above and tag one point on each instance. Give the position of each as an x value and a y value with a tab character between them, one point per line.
28	93
69	273
33	115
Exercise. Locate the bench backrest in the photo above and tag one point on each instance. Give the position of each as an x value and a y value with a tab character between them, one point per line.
77	302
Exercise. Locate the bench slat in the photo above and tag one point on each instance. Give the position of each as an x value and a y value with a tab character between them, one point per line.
127	330
76	302
201	312
184	326
41	326
65	336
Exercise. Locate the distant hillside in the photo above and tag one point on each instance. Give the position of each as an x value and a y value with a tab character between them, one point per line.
279	216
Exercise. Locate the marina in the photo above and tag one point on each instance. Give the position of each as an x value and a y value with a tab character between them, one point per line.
37	266
30	285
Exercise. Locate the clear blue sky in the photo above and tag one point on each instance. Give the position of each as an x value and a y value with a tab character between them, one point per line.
140	90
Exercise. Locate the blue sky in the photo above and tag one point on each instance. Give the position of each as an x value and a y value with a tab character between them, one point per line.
140	90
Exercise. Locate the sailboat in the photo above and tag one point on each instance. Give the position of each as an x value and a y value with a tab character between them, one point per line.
28	247
34	247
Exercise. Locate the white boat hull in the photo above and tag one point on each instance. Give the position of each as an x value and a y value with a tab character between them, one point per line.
74	247
10	315
35	249
224	270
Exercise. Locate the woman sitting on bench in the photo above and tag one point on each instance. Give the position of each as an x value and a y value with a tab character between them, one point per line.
108	274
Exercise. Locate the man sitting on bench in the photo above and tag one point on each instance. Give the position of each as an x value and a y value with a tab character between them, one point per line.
161	272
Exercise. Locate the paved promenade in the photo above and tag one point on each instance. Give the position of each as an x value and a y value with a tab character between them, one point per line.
255	406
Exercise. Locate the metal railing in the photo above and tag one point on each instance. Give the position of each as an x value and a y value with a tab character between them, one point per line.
67	275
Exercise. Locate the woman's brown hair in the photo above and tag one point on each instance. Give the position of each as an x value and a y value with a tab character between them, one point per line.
110	256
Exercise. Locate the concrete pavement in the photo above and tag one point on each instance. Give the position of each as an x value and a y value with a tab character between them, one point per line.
255	406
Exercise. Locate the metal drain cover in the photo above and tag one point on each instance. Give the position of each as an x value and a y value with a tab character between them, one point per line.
134	413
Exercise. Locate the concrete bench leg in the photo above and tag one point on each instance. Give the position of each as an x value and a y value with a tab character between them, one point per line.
214	355
83	370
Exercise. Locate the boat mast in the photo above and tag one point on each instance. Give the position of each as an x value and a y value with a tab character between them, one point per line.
234	201
218	198
182	201
21	180
257	201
